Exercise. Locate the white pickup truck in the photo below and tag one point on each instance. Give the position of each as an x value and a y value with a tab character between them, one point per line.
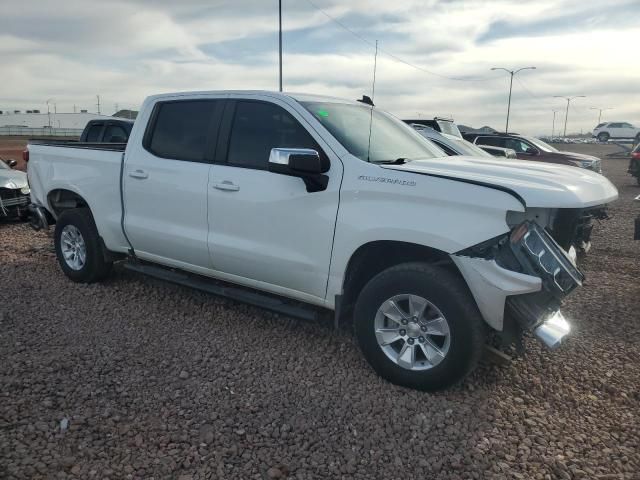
302	203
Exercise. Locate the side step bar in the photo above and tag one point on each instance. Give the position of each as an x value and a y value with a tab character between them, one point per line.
268	302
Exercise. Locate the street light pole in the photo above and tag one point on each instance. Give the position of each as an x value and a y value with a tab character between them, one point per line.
566	116
600	110
553	125
280	39
49	112
511	73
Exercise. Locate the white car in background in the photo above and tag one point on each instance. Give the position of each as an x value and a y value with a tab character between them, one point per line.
616	130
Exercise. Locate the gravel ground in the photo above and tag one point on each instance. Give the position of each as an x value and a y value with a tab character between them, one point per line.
135	378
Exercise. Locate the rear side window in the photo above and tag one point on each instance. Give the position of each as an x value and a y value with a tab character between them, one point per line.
615	125
182	129
93	135
492	141
114	133
257	128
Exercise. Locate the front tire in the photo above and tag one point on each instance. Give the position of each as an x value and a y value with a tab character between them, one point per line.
603	137
78	247
419	327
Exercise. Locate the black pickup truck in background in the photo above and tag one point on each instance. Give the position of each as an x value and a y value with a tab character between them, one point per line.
116	130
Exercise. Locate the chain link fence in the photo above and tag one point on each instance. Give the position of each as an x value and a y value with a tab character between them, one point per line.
49	132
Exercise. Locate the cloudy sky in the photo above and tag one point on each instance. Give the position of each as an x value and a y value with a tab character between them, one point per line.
71	50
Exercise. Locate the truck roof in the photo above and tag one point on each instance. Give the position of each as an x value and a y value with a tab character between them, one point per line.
301	97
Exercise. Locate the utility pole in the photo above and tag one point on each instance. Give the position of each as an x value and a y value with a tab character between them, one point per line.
116	105
566	116
553	125
98	97
280	39
512	73
74	108
600	110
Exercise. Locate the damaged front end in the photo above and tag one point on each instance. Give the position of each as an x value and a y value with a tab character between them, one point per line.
519	280
14	202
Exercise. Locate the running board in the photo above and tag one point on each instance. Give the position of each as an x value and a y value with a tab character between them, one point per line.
266	301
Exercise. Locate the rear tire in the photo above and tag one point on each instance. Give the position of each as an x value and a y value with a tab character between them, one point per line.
438	360
78	247
603	137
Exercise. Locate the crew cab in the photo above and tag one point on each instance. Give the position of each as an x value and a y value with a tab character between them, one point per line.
304	204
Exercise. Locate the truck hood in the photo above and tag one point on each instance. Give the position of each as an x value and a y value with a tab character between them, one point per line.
541	185
578	156
12	179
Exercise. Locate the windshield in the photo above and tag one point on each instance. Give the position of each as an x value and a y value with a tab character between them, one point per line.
4	165
391	139
541	145
449	127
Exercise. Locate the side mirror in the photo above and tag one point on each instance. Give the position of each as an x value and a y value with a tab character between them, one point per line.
530	151
12	163
300	162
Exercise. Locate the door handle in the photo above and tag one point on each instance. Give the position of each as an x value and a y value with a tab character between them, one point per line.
139	174
227	185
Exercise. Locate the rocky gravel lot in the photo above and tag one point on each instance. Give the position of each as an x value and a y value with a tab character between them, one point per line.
135	378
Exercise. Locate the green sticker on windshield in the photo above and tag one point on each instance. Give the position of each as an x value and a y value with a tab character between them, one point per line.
323	113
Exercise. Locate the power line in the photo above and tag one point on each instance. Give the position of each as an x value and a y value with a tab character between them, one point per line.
395	57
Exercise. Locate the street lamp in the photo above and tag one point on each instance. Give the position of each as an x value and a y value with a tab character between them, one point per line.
600	110
568	99
512	73
49	112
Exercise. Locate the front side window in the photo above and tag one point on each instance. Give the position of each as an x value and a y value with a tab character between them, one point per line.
518	145
615	125
181	129
257	128
370	134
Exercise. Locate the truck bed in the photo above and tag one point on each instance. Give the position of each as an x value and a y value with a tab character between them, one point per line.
90	170
115	147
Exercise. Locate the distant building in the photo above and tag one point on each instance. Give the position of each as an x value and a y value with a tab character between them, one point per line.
130	114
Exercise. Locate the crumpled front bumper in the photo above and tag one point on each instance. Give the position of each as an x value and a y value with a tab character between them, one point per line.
524	276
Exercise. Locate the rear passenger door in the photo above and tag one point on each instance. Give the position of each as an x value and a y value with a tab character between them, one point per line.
165	183
265	229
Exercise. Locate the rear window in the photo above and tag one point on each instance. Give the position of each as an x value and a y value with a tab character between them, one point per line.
115	133
93	135
449	127
181	129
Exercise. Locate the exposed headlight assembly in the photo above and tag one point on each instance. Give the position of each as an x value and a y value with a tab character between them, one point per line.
537	252
25	190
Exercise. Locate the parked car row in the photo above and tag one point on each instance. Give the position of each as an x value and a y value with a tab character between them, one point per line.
304	204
